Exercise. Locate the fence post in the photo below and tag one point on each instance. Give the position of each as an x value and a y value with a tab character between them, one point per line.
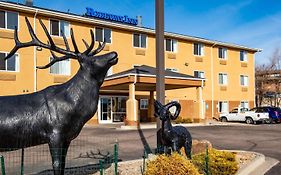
2	165
116	158
144	157
22	162
207	161
101	167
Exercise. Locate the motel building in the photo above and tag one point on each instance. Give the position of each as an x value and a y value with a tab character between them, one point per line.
206	76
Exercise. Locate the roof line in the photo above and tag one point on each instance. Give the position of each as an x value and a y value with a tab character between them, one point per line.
145	75
72	16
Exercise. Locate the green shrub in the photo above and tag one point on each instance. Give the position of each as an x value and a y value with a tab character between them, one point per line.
182	120
220	162
173	164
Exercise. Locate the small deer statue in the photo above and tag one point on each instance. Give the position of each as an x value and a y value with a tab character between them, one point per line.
172	137
55	115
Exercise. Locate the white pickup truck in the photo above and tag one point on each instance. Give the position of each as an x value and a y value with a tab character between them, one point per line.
243	115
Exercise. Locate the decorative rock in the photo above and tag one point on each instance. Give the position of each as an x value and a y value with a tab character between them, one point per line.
200	146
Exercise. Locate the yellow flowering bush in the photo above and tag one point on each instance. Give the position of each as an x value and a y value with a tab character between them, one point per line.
174	164
220	162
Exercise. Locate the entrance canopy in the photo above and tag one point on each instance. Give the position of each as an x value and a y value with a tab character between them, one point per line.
144	78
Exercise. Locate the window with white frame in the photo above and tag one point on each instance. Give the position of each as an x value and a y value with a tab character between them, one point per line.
139	40
171	45
60	68
199	74
103	34
244	104
198	49
223	106
243	55
59	27
243	80
172	69
143	103
8	20
222	53
222	78
11	64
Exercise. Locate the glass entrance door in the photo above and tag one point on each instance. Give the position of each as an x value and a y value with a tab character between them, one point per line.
112	109
105	110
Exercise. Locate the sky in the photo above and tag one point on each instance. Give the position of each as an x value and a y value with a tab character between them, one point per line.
251	23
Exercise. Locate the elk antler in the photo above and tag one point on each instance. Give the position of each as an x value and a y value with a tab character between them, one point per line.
53	48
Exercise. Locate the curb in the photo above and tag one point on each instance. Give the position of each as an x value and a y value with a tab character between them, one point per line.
253	165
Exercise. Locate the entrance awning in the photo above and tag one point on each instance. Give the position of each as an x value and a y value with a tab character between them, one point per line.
144	78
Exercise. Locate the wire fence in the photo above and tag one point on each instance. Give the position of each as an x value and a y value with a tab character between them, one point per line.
86	155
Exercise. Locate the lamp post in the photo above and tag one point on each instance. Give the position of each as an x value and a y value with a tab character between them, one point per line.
160	58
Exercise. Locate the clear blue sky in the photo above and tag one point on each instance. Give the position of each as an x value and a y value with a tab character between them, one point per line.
253	23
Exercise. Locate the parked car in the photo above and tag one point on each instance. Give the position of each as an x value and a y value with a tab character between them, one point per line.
243	115
274	113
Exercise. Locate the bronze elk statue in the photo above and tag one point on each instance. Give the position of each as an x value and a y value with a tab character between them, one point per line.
169	136
56	114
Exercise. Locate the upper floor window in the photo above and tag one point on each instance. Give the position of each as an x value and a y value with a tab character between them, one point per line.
199	74
243	55
172	69
143	103
223	106
222	78
103	35
8	20
171	45
59	27
11	64
243	80
140	40
222	53
61	68
198	49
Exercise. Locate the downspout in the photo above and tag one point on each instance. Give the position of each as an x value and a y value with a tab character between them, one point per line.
202	101
212	77
34	54
134	101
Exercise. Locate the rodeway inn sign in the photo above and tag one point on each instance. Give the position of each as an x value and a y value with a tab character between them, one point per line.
123	19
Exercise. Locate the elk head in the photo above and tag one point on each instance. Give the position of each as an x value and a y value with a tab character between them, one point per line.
94	66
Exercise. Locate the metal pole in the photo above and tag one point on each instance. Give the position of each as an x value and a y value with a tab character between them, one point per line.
22	162
2	165
160	58
115	158
101	167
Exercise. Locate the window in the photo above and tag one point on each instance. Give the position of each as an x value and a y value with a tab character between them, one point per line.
222	78
59	27
103	35
8	20
244	104
243	80
223	106
171	45
243	55
199	74
222	53
172	69
140	40
11	64
61	68
143	103
198	49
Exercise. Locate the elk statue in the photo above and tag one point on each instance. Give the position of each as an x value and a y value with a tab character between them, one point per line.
55	115
172	137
